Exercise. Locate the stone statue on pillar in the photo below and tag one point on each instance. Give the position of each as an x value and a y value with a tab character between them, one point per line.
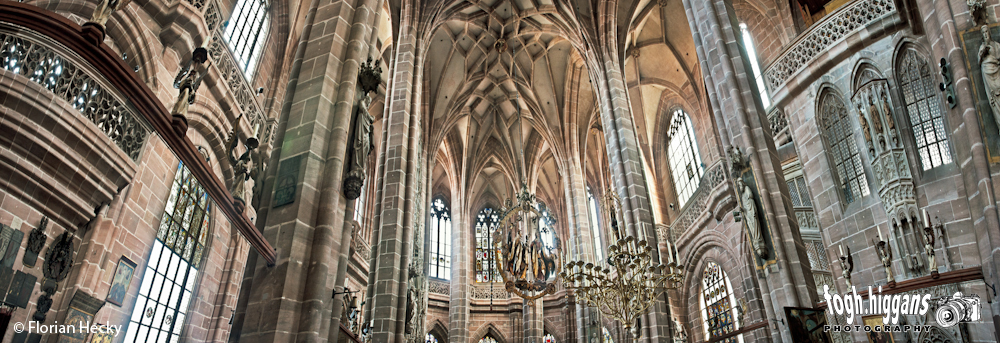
749	207
989	60
679	335
368	79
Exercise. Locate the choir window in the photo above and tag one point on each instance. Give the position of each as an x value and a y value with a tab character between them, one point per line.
595	225
546	225
607	336
685	162
924	109
716	304
246	33
431	338
440	240
549	338
488	339
843	148
754	65
170	276
486	264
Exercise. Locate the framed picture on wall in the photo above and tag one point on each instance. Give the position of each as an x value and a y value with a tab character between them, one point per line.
121	281
105	334
873	336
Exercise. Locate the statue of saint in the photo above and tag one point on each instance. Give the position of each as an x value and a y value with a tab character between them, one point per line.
876	117
929	249
364	140
750	218
887	109
864	126
104	9
989	60
679	335
188	80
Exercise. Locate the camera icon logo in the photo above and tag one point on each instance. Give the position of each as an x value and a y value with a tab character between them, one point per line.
958	308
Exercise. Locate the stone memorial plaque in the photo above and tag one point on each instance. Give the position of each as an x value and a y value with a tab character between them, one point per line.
12	248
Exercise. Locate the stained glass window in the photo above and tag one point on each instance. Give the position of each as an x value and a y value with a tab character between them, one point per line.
431	338
843	148
924	108
607	336
546	225
549	338
246	33
170	276
716	303
440	240
488	339
486	267
685	162
752	56
595	225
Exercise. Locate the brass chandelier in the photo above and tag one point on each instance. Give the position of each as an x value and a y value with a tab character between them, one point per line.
628	283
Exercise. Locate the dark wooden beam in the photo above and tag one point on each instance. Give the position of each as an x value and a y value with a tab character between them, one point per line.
121	76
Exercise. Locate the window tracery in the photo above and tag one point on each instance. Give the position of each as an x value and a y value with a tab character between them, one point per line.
595	225
754	65
716	303
486	267
686	167
843	148
440	240
247	32
923	107
170	276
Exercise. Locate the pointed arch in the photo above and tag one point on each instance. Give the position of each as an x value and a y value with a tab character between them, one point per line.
685	163
489	331
842	147
922	106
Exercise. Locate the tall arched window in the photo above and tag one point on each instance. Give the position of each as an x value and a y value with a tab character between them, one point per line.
170	276
246	33
716	304
752	56
488	339
486	264
924	109
607	336
595	225
545	225
843	148
440	239
685	162
431	338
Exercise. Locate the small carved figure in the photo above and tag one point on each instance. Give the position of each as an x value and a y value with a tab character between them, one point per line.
243	171
188	80
876	117
989	59
885	256
361	148
104	9
887	109
750	218
737	162
847	267
864	126
929	249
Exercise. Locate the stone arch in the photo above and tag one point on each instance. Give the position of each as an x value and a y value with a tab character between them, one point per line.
767	37
935	335
489	330
440	331
865	70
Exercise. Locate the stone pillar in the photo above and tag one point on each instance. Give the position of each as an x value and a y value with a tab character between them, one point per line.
292	300
944	23
461	271
533	320
733	96
627	175
579	245
394	218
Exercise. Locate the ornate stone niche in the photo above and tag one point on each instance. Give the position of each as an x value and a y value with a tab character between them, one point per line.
891	168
